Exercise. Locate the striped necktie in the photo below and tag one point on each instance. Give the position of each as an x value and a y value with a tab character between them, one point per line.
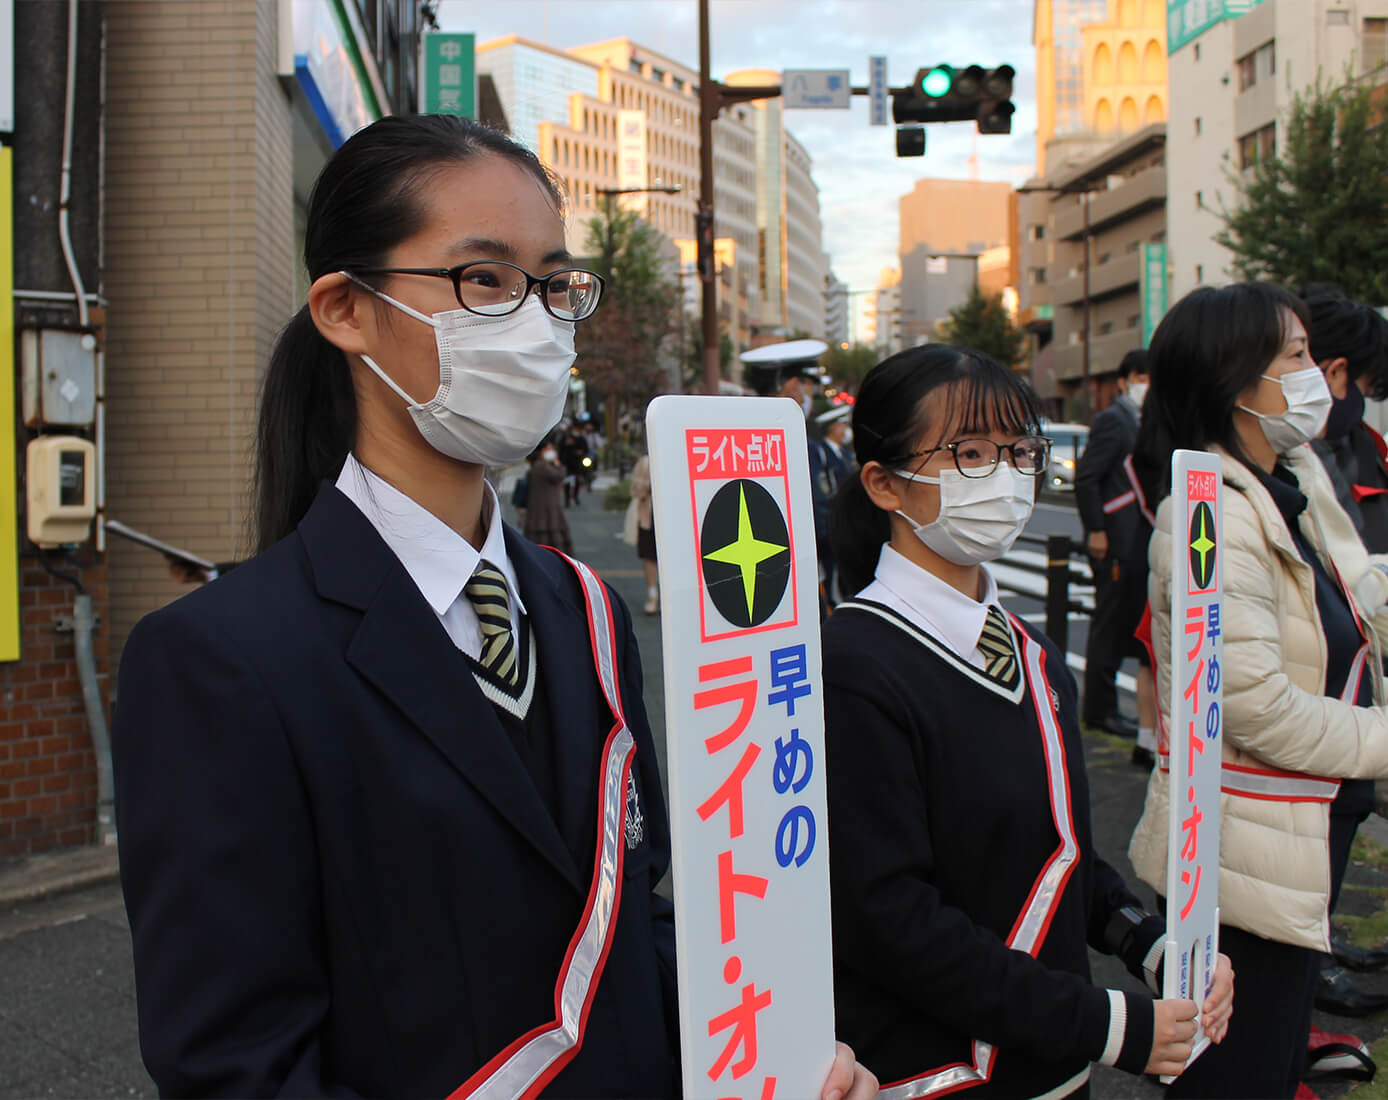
999	656
486	588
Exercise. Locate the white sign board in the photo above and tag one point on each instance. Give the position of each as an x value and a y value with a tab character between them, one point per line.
1196	729
745	742
877	91
631	158
825	88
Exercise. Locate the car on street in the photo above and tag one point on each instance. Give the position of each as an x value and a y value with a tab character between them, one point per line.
1067	442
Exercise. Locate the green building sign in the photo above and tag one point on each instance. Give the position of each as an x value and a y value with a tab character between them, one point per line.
1187	20
1153	289
449	85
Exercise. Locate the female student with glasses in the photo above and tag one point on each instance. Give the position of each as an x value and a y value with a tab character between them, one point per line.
966	885
390	817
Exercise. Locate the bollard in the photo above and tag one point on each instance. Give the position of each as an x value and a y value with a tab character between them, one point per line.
1058	590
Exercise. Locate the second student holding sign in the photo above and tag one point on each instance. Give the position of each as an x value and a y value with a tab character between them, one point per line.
966	887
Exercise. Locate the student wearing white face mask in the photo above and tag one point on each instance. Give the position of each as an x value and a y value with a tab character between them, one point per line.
390	815
1303	625
966	884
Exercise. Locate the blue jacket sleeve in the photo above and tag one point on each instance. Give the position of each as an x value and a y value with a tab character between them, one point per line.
217	854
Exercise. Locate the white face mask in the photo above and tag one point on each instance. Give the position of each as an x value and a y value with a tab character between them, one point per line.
502	381
980	517
1137	393
806	403
1308	404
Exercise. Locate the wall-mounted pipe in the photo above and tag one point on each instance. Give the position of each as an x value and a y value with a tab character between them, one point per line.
65	190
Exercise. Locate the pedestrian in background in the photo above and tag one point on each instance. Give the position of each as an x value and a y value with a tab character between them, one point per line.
1109	507
573	449
966	885
545	522
645	532
360	780
1303	621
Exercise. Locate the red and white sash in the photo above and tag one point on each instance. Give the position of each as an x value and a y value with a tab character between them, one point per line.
1034	921
527	1065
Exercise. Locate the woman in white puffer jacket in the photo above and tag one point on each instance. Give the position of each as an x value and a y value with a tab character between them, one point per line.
1303	622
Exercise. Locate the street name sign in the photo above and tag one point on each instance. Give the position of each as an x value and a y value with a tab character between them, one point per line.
821	88
877	91
744	713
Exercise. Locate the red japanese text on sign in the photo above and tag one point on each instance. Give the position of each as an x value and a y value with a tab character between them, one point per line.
1201	485
736	452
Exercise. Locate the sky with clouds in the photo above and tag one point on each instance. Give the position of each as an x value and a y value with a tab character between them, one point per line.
859	175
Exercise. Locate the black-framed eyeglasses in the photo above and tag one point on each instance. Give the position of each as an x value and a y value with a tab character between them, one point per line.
494	288
1030	455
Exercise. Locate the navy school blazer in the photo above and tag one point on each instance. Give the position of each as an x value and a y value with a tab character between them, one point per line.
340	877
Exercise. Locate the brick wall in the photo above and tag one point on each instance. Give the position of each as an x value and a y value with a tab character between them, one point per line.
48	791
199	275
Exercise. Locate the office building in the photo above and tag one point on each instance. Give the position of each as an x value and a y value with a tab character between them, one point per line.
1100	73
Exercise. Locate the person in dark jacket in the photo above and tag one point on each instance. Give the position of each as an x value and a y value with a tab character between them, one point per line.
1107	500
360	781
966	885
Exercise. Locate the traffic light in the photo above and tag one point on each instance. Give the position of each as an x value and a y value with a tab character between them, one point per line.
995	109
910	141
946	93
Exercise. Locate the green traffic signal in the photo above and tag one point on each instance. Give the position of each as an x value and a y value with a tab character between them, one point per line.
938	81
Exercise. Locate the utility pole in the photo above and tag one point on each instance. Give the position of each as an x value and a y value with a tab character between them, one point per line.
713	97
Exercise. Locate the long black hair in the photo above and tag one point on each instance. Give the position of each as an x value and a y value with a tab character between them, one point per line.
891	415
1341	328
1211	346
365	202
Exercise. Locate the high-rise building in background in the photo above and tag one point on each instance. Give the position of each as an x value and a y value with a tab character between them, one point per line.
884	314
615	115
1100	74
837	326
947	226
1236	66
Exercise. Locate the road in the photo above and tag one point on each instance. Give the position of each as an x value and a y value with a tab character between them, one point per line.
67	1000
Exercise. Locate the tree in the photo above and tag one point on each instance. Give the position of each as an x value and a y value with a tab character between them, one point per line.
982	323
1317	212
849	366
620	348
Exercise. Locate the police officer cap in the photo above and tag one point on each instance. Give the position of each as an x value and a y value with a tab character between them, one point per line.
792	359
833	415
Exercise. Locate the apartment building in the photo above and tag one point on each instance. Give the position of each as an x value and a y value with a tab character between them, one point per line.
1236	66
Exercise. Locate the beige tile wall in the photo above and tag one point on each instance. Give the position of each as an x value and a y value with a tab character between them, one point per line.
198	273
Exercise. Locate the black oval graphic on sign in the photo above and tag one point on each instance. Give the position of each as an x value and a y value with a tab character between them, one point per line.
744	549
1202	546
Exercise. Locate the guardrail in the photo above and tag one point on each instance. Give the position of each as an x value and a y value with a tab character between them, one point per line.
1057	574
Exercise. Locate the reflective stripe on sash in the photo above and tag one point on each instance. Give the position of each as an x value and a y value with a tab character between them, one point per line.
532	1061
1275	785
1034	921
1122	500
1138	494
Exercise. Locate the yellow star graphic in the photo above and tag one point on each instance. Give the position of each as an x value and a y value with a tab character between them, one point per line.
747	552
1202	545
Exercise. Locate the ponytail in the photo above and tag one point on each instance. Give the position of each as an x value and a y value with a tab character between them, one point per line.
308	421
857	531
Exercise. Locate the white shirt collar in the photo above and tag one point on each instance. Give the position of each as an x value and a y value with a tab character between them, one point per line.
941	611
437	558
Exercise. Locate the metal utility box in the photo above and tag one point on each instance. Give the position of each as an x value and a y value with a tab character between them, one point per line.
61	478
59	377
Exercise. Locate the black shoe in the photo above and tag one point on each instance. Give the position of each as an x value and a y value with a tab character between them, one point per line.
1143	758
1336	993
1114	723
1358	958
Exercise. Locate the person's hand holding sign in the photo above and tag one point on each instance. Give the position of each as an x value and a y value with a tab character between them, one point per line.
1219	1005
848	1078
1173	1036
